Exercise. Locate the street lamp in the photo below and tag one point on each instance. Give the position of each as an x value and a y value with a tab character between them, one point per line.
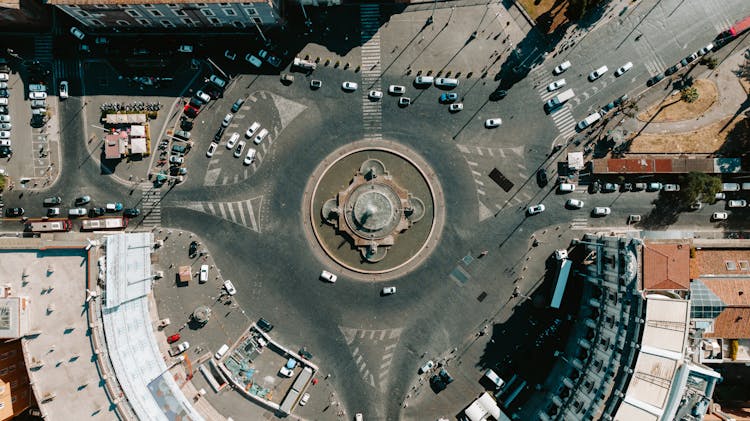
430	18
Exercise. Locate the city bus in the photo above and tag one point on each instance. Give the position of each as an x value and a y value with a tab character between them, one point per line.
114	223
48	225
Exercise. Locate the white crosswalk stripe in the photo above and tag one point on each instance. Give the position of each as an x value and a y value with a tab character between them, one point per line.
564	121
372	116
150	205
245	213
654	64
579	223
43	47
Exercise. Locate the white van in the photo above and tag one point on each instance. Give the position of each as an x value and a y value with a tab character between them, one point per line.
591	119
424	80
446	82
220	353
566	187
745	186
559	99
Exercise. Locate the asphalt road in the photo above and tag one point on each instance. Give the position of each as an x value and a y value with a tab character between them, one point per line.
250	218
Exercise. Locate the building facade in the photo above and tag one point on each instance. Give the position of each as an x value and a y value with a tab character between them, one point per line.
15	392
159	15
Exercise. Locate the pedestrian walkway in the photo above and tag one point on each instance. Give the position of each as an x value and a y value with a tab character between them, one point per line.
564	121
372	117
43	47
150	205
562	117
64	69
245	213
647	53
579	223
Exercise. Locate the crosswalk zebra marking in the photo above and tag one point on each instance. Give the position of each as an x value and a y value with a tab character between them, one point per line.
242	213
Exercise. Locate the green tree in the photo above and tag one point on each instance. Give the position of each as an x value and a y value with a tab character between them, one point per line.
689	94
2	182
698	186
744	70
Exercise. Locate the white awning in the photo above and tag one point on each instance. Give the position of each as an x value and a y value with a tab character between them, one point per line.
575	160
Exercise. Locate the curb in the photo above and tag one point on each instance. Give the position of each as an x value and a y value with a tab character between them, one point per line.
525	14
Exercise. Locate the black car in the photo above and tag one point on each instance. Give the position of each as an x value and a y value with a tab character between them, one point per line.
83	200
219	134
671	70
595	187
607	108
5	151
305	353
498	95
4	93
131	212
13	212
193	250
237	105
541	177
94	212
265	325
440	381
186	125
654	80
621	100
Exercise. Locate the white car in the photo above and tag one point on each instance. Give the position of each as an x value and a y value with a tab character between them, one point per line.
4	77
233	140
706	49
255	61
304	399
565	65
533	210
556	85
4	134
203	277
424	80
349	86
720	196
227	119
601	211
389	290
5	126
426	367
63	89
624	68
574	204
77	212
240	147
252	129
493	122
404	101
77	33
596	74
672	187
456	107
328	276
737	203
396	90
719	216
211	149
221	83
229	287
566	187
230	55
203	96
375	94
260	136
37	95
5	142
4	118
4	101
286	372
250	157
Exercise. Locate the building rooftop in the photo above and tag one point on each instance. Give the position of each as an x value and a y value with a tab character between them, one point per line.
720	261
93	2
666	266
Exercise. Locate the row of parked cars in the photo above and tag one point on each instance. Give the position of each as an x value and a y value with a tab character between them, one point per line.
5	124
684	62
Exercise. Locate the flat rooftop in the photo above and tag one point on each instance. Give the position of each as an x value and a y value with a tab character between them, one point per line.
59	353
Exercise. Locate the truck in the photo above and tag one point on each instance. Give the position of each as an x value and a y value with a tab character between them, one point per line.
104	224
304	64
559	99
178	349
739	27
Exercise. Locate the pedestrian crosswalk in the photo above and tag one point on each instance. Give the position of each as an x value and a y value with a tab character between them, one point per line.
562	117
224	168
373	351
647	54
65	69
370	37
564	121
579	223
245	213
150	205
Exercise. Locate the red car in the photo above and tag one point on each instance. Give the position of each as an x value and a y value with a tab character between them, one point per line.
191	111
174	338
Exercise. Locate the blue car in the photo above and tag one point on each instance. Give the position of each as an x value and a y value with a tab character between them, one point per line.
448	97
113	207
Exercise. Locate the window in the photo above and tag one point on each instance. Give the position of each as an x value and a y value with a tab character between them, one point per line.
179	12
223	4
238	24
200	4
744	264
83	13
167	24
731	264
4	356
133	13
230	12
214	21
207	12
123	23
156	13
96	22
11	368
172	4
251	12
144	22
258	21
148	5
188	21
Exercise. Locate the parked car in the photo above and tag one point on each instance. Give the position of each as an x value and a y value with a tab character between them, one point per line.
454	108
182	134
349	86
672	187
252	129
250	157
53	212
232	140
574	204
376	95
654	80
730	187
14	212
705	50
720	196
37	95
211	149
448	97
264	325
719	216
229	287
737	203
396	90
174	159
493	122
610	187
388	291
227	119
94	212
596	74
541	177
533	210
565	65
556	85
328	276
203	274
424	80
672	70
219	82
52	201
316	84
404	101
303	400
270	58
77	33
429	365
237	105
131	212
260	136
653	186
566	187
185	49
230	55
204	97
77	212
601	211
38	103
286	372
239	148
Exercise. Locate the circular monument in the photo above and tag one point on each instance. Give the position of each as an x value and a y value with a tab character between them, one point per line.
376	211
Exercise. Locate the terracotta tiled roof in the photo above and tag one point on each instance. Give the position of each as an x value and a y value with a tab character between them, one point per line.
733	292
666	266
732	323
714	262
93	2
